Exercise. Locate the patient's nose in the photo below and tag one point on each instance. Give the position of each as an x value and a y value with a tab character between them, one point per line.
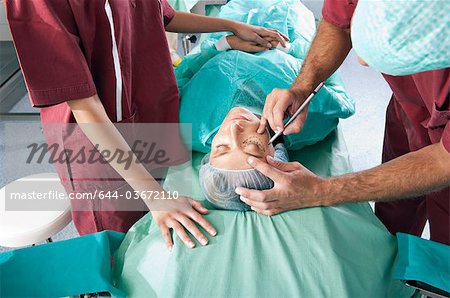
238	125
235	130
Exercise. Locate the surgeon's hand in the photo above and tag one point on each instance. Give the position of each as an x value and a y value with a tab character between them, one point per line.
280	104
257	34
182	214
295	187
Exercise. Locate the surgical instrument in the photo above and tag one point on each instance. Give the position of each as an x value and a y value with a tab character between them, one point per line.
299	110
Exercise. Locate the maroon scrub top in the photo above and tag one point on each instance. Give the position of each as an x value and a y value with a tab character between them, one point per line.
73	49
417	116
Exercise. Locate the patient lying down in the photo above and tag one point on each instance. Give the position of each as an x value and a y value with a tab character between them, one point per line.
226	167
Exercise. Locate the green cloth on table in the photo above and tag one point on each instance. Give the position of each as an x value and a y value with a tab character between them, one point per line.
65	268
340	251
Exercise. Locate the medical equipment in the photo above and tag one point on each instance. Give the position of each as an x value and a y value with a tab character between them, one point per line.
299	110
218	185
187	42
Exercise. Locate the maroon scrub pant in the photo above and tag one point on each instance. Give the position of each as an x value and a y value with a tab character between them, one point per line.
117	213
409	216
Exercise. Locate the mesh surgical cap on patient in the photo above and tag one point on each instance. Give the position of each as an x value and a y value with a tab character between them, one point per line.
218	185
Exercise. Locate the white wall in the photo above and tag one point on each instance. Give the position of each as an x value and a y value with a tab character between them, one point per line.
315	6
4	29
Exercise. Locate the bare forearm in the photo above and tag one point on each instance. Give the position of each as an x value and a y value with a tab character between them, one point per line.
192	23
411	175
328	50
95	124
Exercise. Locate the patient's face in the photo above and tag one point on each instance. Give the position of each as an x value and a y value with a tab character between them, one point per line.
237	139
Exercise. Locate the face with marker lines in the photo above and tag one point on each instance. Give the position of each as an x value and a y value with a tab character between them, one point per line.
237	139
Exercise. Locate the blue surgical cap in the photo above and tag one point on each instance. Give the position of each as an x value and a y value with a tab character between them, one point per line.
218	185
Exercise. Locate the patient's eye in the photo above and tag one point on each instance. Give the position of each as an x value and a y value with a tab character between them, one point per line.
254	148
220	149
255	144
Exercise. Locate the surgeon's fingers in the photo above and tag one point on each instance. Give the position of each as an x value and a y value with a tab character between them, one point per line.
283	166
260	205
253	194
278	116
262	125
265	169
271	100
198	218
181	232
279	112
198	206
192	228
165	231
276	107
297	125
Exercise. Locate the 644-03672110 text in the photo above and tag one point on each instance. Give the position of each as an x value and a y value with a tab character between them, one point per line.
102	195
135	195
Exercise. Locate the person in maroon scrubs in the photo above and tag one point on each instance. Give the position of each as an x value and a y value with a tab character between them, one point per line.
412	184
108	61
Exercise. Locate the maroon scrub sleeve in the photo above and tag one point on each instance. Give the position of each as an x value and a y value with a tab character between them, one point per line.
339	12
52	62
168	12
446	137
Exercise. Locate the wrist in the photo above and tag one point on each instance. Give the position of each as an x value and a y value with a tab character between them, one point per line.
297	92
326	192
231	26
304	85
302	91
